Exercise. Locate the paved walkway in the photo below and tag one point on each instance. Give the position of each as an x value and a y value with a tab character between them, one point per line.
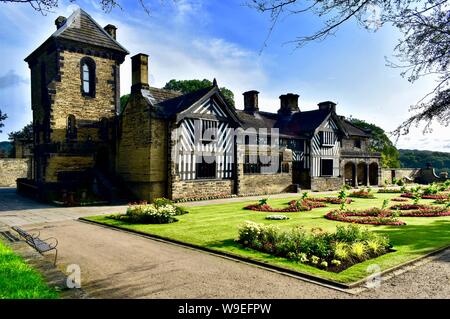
116	264
16	210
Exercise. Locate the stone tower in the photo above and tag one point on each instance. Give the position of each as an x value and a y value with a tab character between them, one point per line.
75	76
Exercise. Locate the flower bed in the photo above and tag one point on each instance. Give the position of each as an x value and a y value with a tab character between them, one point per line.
277	217
436	197
362	194
377	216
411	207
268	208
374	216
310	202
330	200
162	211
397	199
434	212
329	251
390	191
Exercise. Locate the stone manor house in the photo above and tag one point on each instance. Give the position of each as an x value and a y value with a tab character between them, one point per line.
167	144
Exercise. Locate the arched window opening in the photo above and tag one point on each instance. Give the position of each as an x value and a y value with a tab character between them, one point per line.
87	77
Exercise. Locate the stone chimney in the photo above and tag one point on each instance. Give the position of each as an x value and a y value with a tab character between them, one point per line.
111	30
60	21
289	103
139	72
251	101
328	105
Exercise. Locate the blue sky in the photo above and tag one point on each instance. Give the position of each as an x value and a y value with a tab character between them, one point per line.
188	39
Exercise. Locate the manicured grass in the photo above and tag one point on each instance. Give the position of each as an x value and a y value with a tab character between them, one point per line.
216	227
18	280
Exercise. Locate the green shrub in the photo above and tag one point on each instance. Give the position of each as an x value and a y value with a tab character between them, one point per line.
315	260
352	233
161	212
336	262
374	246
340	251
358	250
350	243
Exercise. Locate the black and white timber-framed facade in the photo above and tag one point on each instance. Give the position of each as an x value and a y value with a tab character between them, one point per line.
167	144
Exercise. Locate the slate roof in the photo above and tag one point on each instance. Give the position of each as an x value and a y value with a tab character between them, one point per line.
161	95
168	104
173	105
297	124
81	27
354	130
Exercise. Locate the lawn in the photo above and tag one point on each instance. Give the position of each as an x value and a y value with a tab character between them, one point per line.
18	280
216	227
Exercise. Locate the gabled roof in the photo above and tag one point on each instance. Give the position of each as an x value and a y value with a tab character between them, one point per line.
169	104
303	123
82	28
172	106
298	124
354	130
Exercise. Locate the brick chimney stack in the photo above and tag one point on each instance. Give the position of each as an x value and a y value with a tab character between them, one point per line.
289	103
139	72
60	21
111	30
251	101
327	105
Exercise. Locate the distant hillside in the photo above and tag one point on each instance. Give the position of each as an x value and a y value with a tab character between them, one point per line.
419	159
5	148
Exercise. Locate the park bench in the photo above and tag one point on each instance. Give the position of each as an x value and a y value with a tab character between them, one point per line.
41	245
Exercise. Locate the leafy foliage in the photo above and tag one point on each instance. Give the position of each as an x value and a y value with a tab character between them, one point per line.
422	49
162	211
123	101
187	86
419	159
25	133
3	117
380	142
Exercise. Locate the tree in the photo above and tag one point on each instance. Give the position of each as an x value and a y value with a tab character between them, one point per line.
187	86
26	133
423	49
3	117
380	142
123	102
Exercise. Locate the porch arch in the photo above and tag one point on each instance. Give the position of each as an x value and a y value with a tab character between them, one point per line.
373	174
350	174
362	174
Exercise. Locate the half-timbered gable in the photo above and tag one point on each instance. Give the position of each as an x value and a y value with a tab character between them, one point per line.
204	147
325	149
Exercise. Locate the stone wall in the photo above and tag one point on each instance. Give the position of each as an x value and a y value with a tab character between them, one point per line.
189	189
69	100
142	153
56	164
11	170
321	184
399	173
264	183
